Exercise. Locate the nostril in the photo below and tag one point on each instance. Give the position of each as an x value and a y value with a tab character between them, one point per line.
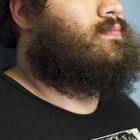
113	13
110	12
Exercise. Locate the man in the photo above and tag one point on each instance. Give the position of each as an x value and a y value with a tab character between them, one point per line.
76	63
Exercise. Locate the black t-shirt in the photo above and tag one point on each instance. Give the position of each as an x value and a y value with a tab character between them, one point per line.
23	116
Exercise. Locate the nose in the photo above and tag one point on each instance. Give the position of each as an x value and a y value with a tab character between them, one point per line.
110	8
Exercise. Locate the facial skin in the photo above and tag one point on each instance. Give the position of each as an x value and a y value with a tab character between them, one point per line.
82	48
85	13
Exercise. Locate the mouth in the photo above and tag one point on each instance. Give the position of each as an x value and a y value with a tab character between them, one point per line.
113	33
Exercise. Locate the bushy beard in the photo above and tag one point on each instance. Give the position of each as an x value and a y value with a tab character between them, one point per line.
81	64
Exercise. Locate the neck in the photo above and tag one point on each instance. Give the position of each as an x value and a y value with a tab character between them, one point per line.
51	95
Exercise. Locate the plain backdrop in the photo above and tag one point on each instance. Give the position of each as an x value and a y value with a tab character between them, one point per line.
132	14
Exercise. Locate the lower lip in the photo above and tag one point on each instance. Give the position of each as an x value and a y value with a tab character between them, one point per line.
116	34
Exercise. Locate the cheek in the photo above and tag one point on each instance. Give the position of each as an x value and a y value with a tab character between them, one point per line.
83	14
78	12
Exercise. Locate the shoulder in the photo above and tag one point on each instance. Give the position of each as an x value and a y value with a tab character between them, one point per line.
122	107
5	82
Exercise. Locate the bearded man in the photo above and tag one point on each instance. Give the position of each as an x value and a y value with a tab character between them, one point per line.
76	64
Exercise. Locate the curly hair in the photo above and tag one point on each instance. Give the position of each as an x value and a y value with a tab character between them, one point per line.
9	31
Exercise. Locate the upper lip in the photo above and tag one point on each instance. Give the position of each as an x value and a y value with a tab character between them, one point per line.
114	31
115	28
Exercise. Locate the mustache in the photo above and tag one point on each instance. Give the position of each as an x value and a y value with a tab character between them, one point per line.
109	23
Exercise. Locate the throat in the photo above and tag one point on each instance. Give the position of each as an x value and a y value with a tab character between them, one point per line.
73	105
52	96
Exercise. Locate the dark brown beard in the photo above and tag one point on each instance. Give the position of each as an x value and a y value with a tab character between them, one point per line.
79	67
